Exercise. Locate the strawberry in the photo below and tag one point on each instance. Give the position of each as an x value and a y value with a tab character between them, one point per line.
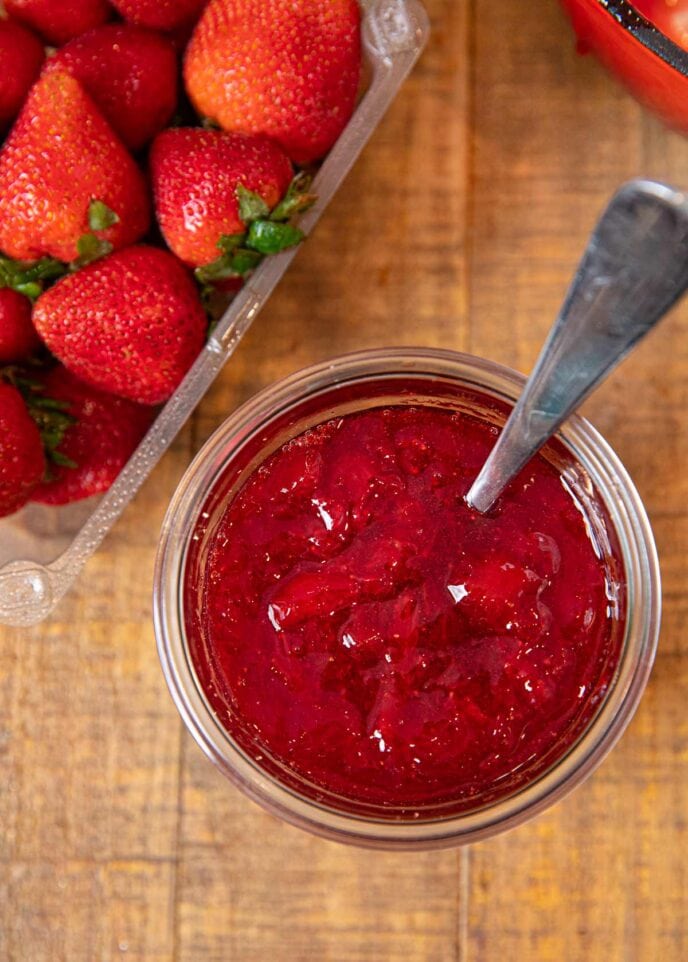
63	172
130	324
160	14
22	461
21	56
95	447
311	594
59	20
29	277
18	338
131	74
288	68
196	174
502	593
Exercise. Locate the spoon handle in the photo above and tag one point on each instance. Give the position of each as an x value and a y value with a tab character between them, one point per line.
634	268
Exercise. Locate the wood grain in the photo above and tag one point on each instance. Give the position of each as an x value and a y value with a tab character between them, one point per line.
289	896
460	227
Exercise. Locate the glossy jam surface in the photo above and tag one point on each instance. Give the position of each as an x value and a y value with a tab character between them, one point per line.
350	618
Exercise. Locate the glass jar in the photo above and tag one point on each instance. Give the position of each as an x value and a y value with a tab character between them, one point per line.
373	379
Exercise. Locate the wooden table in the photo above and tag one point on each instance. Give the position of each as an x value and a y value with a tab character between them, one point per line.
459	228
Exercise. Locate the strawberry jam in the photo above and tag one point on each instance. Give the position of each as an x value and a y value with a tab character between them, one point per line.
368	638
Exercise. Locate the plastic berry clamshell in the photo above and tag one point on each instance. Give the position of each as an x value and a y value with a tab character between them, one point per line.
43	549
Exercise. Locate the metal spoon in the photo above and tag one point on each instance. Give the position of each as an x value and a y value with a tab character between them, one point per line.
634	268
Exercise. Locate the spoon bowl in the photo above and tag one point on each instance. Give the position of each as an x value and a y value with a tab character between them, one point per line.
634	269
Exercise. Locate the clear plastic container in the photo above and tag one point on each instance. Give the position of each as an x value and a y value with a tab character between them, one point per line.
43	549
602	488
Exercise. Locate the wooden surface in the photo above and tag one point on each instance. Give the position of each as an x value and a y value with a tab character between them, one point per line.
459	227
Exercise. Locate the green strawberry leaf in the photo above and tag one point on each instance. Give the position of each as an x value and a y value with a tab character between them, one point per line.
32	290
51	416
27	277
244	261
296	200
236	263
242	253
217	270
47	268
90	248
100	217
269	237
251	206
52	427
229	242
39	401
62	460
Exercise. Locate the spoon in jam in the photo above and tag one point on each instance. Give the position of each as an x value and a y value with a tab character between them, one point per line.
634	268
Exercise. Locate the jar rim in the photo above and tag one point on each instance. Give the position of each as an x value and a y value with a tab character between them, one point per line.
638	552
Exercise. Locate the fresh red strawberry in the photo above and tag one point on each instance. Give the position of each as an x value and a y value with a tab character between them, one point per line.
18	338
63	173
22	462
105	433
160	14
130	324
21	56
195	178
131	74
59	20
288	68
